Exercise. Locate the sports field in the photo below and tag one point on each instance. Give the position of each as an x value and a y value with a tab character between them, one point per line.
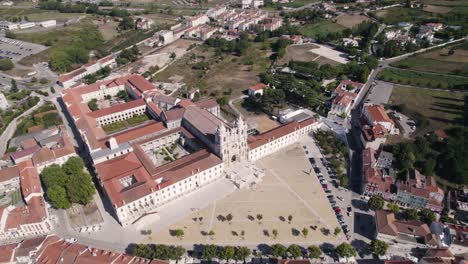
287	189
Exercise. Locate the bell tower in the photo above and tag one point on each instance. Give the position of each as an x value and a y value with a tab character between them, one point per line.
232	142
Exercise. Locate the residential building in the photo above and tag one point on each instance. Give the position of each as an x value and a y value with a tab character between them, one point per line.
165	36
52	249
6	25
416	233
376	126
26	25
375	183
343	97
197	20
136	181
9	179
143	23
420	191
72	78
257	89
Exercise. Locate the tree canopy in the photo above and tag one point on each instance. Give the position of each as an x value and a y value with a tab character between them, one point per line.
345	250
378	247
376	202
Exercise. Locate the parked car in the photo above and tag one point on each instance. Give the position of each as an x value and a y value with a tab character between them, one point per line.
330	196
325	186
337	210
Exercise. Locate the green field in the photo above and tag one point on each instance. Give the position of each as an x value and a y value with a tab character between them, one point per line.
441	109
439	61
114	127
34	14
321	28
56	39
424	79
395	15
454	3
136	120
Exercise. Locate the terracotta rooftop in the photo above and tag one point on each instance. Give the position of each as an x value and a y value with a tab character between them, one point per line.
378	114
96	256
344	99
277	132
134	133
34	212
29	179
117	108
6	253
257	87
440	133
24	153
28	245
206	103
140	83
9	173
28	143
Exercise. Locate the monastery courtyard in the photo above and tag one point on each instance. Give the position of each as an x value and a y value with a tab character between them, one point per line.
287	189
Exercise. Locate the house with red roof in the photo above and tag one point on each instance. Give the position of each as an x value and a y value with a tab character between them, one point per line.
343	97
257	89
376	125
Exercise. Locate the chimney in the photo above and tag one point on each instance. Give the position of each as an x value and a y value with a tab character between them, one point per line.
113	143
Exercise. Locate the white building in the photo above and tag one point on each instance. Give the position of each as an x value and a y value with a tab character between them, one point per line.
165	36
48	23
197	20
257	89
27	25
3	102
6	25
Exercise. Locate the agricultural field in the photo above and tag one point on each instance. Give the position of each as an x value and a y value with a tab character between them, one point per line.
350	21
395	15
435	109
437	9
439	61
455	3
228	74
56	39
35	15
321	28
424	79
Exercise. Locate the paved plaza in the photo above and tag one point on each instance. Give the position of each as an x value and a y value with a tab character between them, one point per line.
287	189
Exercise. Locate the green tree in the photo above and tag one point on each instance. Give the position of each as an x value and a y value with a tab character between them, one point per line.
14	86
6	65
305	232
161	252
126	23
58	197
209	252
295	251
427	216
345	250
80	188
337	231
93	106
179	233
378	247
242	253
177	253
314	252
393	207
226	253
376	202
275	233
259	218
142	250
53	175
290	218
278	250
73	166
229	218
410	214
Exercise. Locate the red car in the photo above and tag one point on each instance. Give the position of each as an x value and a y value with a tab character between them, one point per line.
337	210
325	186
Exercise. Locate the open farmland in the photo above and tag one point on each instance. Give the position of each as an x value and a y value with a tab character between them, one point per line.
437	9
395	15
228	74
35	15
439	61
350	21
424	79
440	109
321	28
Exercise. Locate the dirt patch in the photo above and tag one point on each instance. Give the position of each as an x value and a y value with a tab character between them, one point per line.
108	30
437	9
299	53
350	21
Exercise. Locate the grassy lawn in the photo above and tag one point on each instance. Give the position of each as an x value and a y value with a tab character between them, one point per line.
114	127
15	197
138	119
438	61
424	79
36	15
446	2
224	74
442	109
57	39
321	28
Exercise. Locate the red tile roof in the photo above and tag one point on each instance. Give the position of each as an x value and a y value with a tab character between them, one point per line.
29	179
140	83
135	133
96	256
9	173
278	132
34	212
117	108
6	253
206	103
258	87
378	114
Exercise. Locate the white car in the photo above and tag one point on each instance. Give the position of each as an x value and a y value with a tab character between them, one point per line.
323	181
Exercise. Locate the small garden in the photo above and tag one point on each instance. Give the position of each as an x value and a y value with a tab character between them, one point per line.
46	116
114	127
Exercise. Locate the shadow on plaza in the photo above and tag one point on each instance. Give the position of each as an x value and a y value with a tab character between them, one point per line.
364	225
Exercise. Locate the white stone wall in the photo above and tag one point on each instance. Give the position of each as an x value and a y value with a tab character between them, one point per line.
279	143
120	116
9	185
102	92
